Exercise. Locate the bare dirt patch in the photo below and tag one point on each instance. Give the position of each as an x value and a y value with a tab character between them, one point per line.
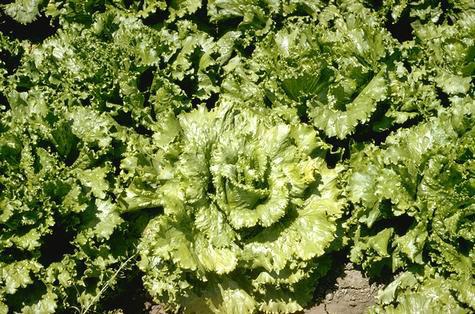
350	293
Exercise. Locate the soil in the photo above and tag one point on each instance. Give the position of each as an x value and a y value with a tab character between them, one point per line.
154	308
349	293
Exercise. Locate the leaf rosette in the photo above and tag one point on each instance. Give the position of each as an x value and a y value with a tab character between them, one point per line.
329	68
414	207
249	207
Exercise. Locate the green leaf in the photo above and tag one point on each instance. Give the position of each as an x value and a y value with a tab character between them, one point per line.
24	11
341	123
18	274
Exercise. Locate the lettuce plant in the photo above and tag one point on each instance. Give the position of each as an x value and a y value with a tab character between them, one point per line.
329	68
250	209
410	222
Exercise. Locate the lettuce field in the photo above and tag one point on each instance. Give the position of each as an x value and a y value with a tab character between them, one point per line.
224	156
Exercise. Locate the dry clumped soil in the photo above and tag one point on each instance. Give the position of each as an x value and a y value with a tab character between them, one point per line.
350	293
